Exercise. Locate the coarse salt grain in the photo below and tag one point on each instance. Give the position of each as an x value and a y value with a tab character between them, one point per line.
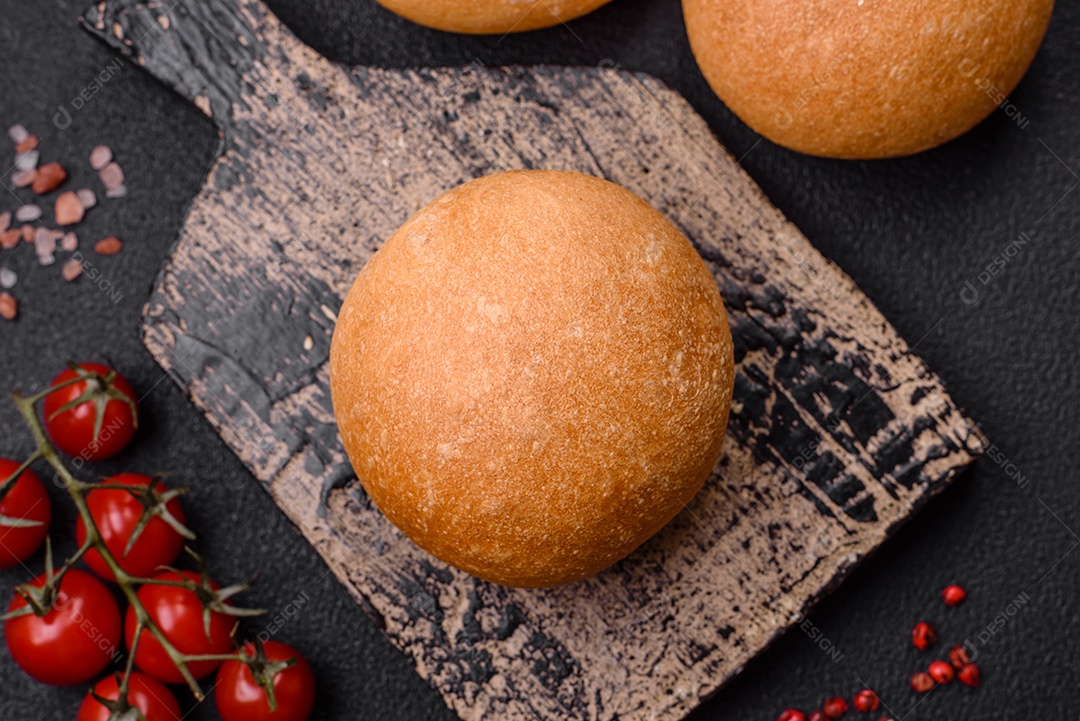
111	176
45	242
9	307
72	269
8	278
69	209
10	238
27	160
27	213
108	246
5	221
30	142
119	191
49	177
86	197
70	242
18	133
23	178
100	156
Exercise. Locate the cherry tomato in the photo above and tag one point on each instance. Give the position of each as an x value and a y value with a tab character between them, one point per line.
179	614
116	514
153	699
26	500
74	641
93	418
239	697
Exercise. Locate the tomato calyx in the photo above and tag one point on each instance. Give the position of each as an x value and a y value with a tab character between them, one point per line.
120	709
213	600
40	600
5	487
99	390
264	671
9	522
155	505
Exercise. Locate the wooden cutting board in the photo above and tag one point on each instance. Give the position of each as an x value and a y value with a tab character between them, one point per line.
837	434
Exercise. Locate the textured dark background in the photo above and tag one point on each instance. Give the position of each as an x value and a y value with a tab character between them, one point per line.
911	232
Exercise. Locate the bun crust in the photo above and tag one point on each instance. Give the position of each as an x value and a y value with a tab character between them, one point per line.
533	375
870	79
488	17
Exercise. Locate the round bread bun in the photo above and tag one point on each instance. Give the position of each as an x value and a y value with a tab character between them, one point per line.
864	78
533	375
487	17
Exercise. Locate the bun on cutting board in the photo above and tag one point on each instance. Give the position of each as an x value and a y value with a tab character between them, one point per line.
865	78
532	376
486	17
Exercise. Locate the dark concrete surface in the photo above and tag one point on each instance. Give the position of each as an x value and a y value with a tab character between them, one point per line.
911	232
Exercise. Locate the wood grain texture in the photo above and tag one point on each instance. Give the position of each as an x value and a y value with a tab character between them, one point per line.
837	433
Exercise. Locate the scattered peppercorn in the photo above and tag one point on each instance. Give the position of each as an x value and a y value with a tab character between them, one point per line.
818	715
866	700
834	707
958	657
942	672
970	675
922	682
792	715
953	595
923	636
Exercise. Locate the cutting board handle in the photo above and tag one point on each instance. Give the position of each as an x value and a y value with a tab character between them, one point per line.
207	51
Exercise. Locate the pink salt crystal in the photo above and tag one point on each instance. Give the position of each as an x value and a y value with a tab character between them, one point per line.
10	238
45	239
100	156
86	197
9	307
69	209
5	221
70	242
27	160
18	133
111	176
45	245
27	213
72	269
23	178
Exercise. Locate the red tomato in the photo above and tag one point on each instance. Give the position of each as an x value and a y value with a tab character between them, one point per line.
102	416
239	697
153	699
27	500
179	614
116	513
74	641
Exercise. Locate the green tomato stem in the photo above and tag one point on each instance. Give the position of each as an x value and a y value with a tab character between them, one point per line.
77	491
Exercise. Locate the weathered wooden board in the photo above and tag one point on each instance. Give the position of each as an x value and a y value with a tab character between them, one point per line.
838	433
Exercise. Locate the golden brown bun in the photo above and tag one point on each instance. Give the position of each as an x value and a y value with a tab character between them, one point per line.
864	78
533	375
485	17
